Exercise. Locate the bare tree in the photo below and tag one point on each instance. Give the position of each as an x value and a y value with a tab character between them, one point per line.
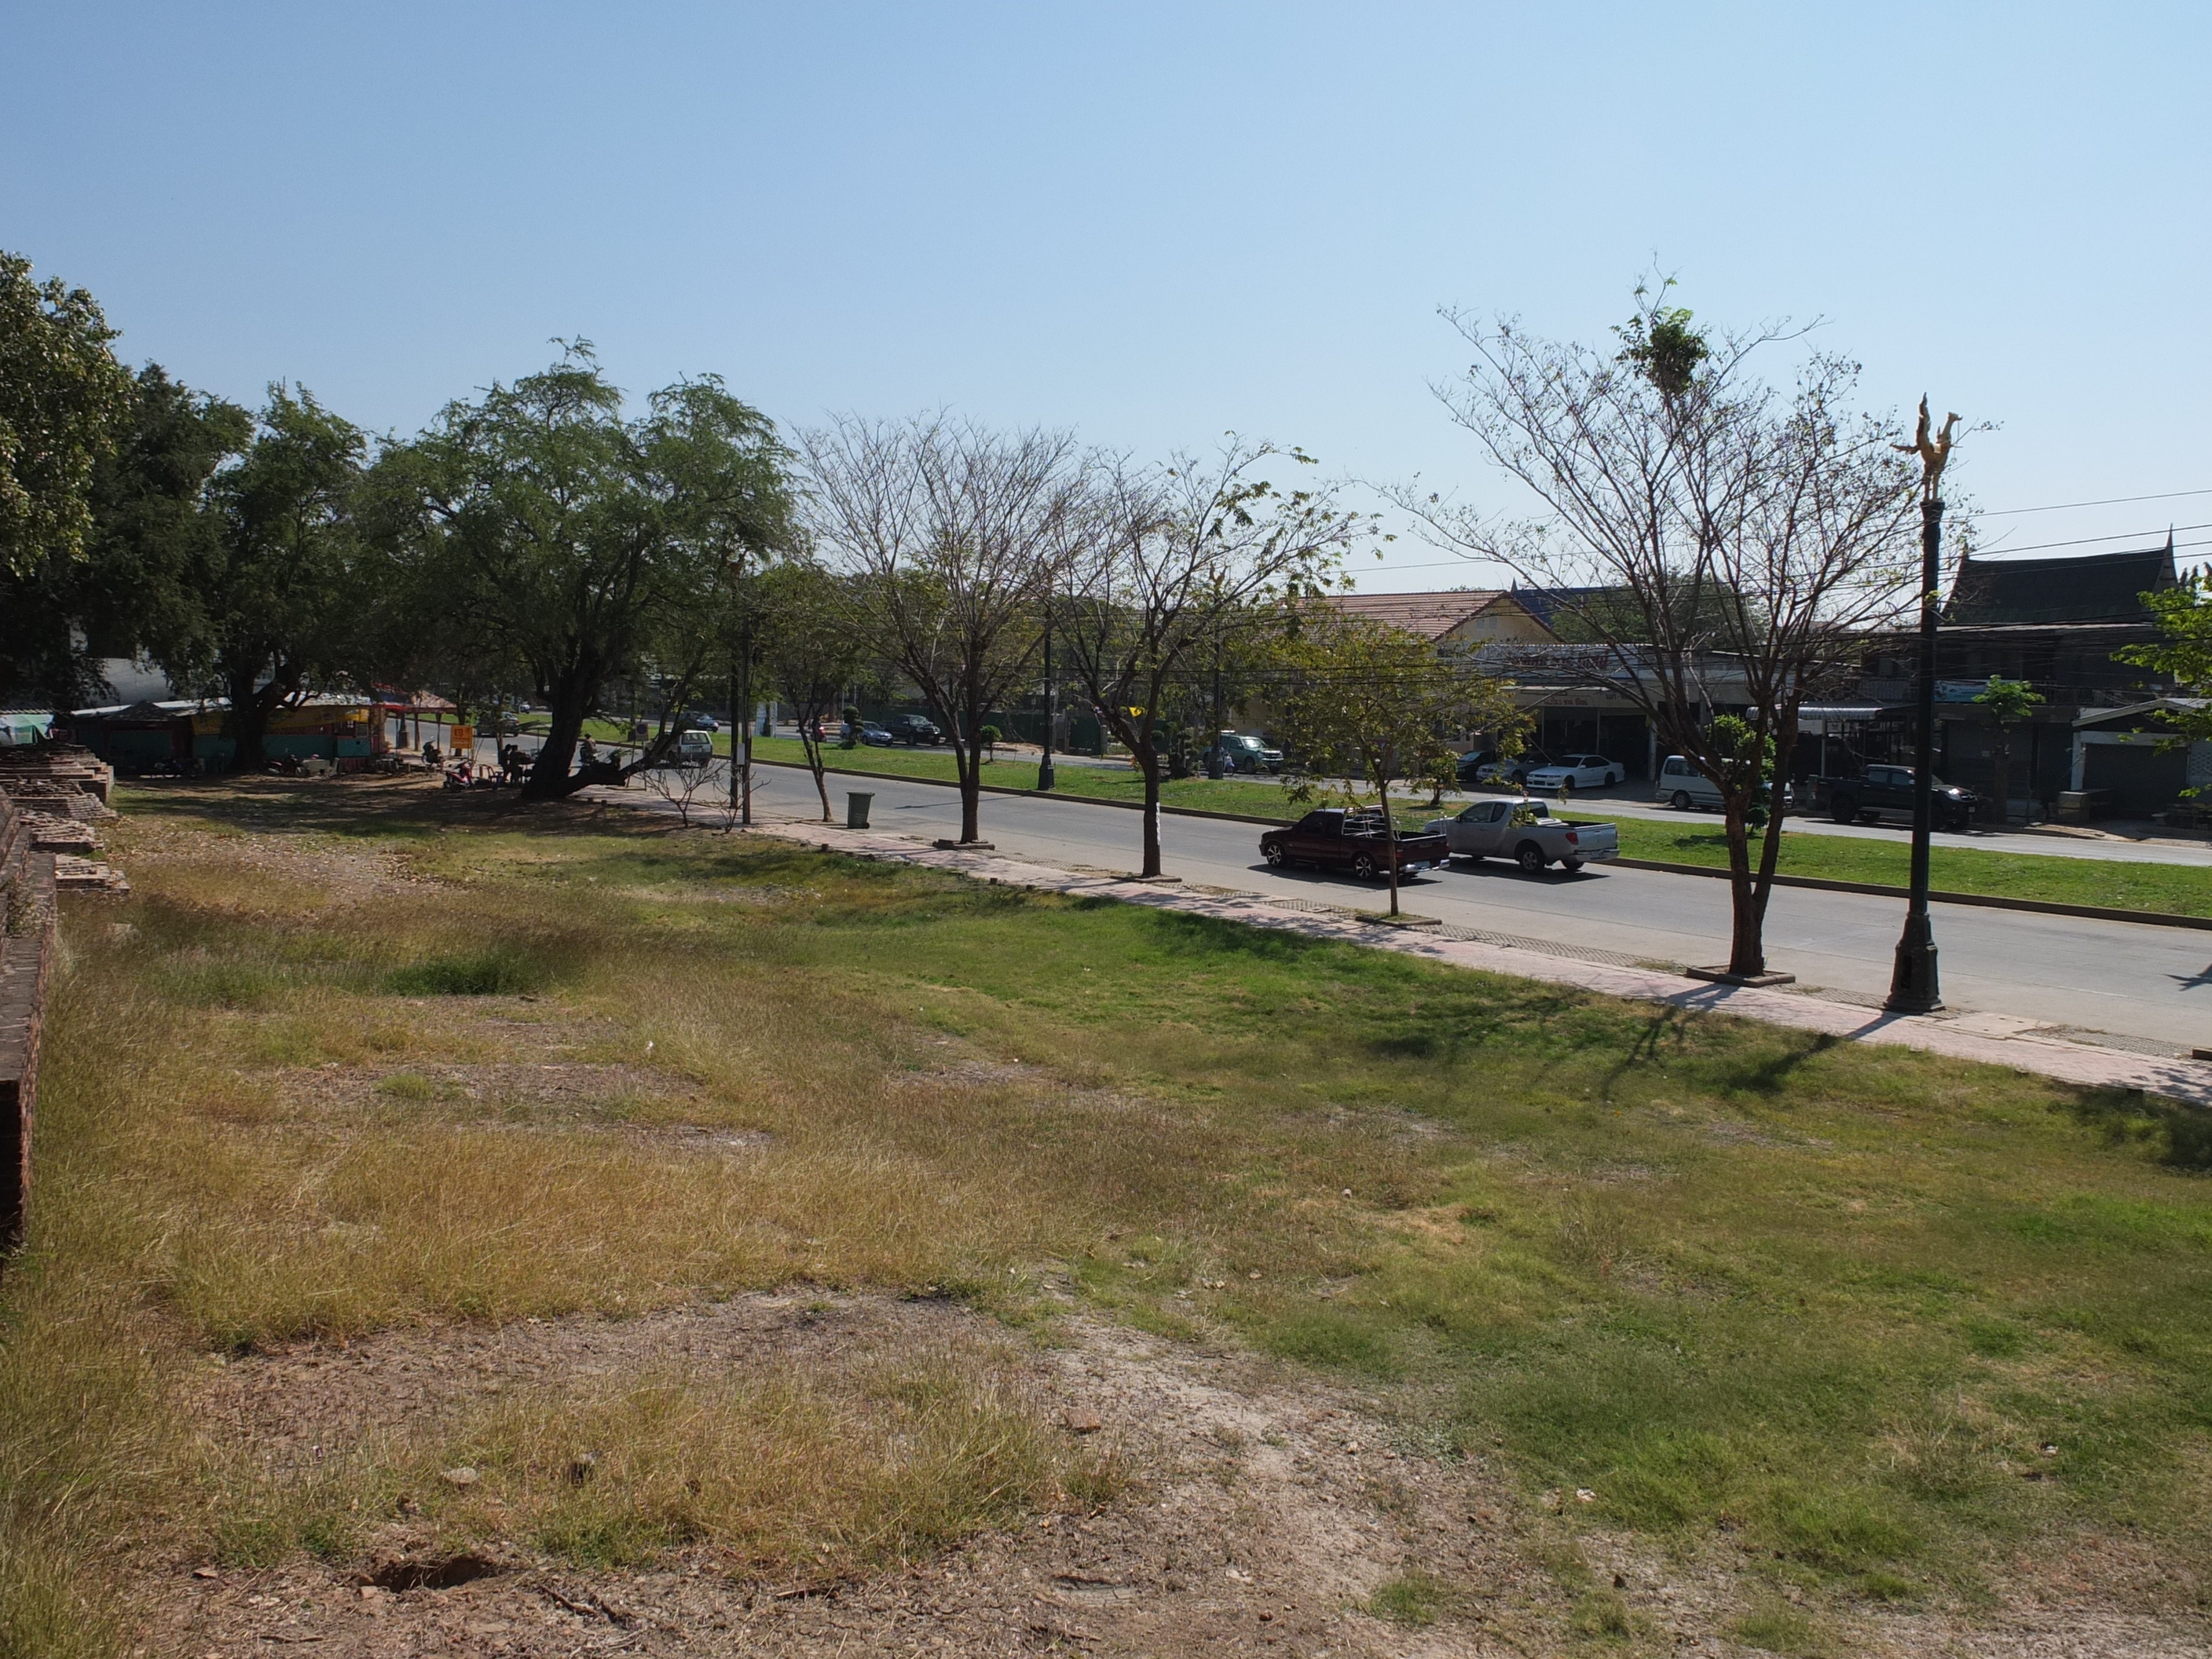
701	788
1181	561
809	653
1716	540
954	535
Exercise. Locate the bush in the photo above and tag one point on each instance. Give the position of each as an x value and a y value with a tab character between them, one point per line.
493	973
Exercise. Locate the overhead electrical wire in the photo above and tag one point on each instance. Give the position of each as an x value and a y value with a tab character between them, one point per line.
2110	501
2031	547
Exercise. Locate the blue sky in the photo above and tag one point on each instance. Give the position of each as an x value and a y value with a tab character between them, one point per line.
1150	222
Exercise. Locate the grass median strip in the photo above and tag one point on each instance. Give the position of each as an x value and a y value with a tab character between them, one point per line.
2174	888
1862	1324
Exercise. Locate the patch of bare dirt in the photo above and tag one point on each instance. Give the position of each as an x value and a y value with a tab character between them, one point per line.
547	1087
345	876
1267	1511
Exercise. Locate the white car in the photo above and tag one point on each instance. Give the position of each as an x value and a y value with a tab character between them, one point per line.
1578	771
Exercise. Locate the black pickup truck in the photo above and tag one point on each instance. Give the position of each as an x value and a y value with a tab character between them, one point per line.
1332	838
1883	792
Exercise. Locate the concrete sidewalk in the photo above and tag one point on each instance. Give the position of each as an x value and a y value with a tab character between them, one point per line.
1991	1039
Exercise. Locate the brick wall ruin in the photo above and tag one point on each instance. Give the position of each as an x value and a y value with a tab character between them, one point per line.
52	796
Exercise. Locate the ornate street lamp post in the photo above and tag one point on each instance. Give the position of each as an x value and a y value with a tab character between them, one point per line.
1913	985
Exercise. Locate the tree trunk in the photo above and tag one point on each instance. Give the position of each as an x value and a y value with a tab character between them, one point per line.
814	763
2001	808
1148	764
1389	839
967	763
549	771
248	723
1746	932
1770	851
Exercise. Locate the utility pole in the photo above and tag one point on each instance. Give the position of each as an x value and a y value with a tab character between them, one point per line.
1044	765
741	736
738	786
1914	988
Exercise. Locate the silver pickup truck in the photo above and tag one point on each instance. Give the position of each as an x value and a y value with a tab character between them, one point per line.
1526	832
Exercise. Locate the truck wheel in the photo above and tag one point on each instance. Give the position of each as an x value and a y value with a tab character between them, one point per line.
1572	866
1530	857
1365	868
1679	801
1274	855
1845	809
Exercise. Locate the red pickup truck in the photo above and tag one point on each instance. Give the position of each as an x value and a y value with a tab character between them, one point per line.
1332	838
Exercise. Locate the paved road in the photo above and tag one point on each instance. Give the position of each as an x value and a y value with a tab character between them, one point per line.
1634	801
2149	983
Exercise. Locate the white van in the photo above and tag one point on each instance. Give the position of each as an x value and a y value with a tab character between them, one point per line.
1682	786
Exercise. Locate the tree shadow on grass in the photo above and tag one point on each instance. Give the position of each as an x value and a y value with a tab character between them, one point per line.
2124	1117
1664	1027
373	806
1769	1071
1210	936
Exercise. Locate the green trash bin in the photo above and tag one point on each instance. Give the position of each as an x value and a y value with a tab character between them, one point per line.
856	809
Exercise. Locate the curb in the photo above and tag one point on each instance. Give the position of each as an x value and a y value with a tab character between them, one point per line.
1984	901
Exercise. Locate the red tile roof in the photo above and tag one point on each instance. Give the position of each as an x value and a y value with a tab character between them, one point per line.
1429	615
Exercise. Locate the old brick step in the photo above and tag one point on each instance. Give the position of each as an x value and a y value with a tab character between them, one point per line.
49	834
76	875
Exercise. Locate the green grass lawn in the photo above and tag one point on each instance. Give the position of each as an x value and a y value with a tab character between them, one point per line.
2177	889
1851	1323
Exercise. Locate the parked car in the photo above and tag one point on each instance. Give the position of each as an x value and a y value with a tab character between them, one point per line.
1887	792
874	734
1334	838
1572	772
1241	751
1526	833
913	730
1682	786
1488	766
694	747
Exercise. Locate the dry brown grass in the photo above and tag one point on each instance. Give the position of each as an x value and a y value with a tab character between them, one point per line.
297	1091
824	1465
206	1183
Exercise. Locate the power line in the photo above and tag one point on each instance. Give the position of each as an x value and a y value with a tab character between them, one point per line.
2084	541
2110	501
2032	547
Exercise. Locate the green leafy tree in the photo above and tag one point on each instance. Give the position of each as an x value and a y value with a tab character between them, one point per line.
2011	703
271	609
1376	706
156	534
63	399
586	547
